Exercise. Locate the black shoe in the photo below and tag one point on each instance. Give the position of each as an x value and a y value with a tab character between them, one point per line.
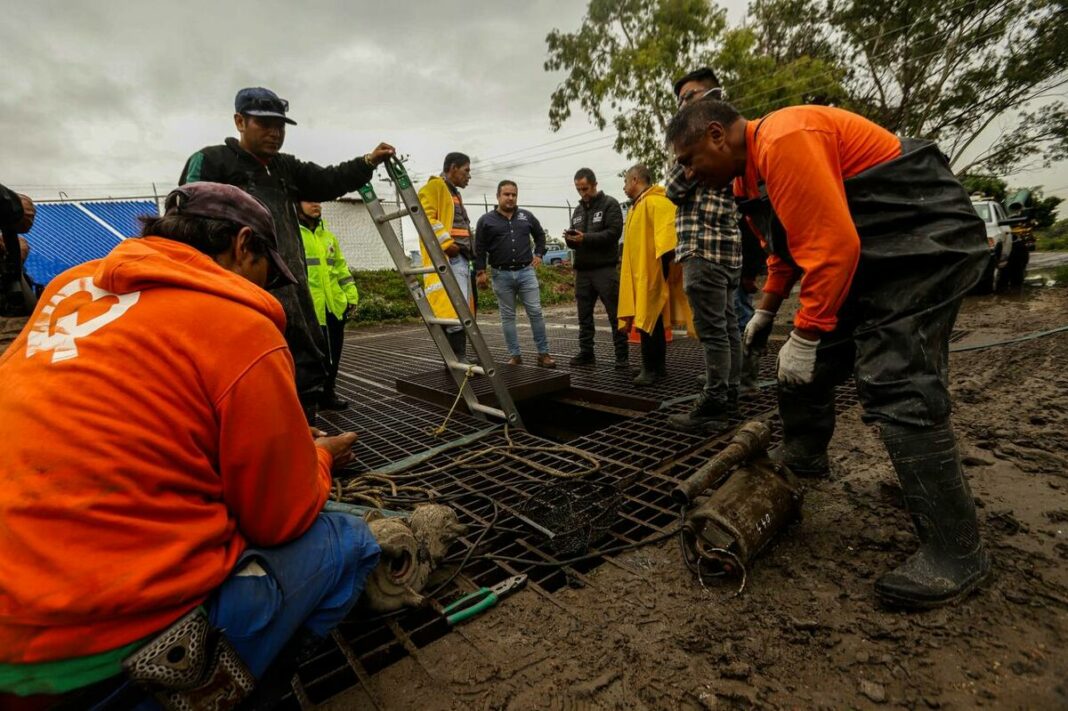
951	561
333	402
622	364
707	416
647	377
583	358
732	400
701	379
801	462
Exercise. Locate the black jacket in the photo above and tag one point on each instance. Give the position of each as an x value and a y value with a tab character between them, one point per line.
280	184
601	221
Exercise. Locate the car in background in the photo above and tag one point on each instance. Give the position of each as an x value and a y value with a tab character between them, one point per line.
998	237
556	252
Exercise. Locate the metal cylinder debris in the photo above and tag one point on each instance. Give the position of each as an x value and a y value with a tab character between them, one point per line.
752	438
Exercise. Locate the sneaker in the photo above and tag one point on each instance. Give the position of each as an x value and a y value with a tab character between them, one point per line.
546	361
515	360
706	417
583	358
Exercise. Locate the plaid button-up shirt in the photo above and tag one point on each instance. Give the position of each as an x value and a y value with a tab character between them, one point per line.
706	221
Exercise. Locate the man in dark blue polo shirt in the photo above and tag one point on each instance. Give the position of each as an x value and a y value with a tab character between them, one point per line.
503	238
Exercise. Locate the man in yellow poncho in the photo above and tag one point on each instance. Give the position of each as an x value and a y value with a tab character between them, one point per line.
444	208
650	286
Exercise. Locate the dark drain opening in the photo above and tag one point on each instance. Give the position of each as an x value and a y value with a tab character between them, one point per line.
562	419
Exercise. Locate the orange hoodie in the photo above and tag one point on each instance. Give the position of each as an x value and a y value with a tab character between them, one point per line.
151	432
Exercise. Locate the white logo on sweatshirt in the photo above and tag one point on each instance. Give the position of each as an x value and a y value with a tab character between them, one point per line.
62	338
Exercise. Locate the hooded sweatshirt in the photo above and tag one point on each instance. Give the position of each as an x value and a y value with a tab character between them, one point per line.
152	433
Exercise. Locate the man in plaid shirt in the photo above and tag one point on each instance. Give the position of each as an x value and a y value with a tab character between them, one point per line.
710	252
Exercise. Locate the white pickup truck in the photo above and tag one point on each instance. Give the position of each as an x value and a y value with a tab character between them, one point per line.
998	236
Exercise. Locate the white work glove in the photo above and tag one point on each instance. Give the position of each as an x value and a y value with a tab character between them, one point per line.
797	360
757	330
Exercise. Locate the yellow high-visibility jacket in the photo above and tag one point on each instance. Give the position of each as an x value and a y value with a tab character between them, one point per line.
644	293
329	280
438	206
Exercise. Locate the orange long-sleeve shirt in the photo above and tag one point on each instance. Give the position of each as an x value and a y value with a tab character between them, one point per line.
804	154
151	432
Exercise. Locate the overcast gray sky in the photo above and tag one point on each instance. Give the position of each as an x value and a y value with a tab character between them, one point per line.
105	98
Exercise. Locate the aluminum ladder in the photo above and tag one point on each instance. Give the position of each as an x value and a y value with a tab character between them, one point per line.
439	264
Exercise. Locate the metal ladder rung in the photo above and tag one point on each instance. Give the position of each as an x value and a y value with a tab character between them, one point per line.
487	410
395	215
464	367
445	321
416	271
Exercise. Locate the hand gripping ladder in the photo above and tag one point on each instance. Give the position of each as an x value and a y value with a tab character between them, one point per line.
439	264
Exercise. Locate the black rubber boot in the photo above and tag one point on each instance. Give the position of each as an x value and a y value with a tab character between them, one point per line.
807	414
647	377
951	561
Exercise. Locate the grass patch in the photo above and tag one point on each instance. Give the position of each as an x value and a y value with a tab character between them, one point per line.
384	297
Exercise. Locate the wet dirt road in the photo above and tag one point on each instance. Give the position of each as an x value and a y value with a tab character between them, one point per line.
808	633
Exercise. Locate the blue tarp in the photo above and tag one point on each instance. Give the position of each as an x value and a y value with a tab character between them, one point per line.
64	236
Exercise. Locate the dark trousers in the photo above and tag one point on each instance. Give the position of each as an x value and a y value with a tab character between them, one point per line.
334	331
654	349
710	288
900	362
590	285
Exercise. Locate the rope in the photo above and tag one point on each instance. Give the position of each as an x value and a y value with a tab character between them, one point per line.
459	393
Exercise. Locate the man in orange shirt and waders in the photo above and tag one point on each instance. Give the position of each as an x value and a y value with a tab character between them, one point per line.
160	491
885	244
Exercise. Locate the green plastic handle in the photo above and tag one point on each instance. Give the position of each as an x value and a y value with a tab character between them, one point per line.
461	609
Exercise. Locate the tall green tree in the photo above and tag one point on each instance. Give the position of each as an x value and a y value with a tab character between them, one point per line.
978	76
621	62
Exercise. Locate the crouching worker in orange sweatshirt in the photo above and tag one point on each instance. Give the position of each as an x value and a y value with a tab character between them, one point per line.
158	475
885	243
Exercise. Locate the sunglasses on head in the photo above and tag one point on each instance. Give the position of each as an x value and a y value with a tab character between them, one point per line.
692	95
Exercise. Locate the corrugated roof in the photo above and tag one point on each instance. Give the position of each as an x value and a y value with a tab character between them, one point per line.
64	236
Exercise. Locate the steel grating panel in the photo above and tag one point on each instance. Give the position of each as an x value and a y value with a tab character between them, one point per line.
642	454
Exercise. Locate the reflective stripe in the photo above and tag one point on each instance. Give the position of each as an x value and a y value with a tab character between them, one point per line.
436	286
330	261
459	232
313	262
346	280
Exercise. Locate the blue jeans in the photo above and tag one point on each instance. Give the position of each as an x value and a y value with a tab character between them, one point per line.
743	307
524	282
312	582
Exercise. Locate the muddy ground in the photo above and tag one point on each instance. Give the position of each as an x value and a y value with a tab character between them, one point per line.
808	633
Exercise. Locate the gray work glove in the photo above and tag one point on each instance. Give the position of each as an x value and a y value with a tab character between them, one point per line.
797	360
757	331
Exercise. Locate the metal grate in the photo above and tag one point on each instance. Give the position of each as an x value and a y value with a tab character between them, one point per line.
523	382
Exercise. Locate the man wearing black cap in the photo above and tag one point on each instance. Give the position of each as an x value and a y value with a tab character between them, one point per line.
254	164
192	486
710	252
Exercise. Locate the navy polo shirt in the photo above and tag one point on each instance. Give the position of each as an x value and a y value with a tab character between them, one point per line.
506	242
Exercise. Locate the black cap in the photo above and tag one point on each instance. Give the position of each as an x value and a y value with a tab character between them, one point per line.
216	201
704	74
257	101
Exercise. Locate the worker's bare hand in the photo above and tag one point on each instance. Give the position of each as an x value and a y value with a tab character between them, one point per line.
29	211
339	446
626	323
24	247
537	261
452	250
482	280
381	152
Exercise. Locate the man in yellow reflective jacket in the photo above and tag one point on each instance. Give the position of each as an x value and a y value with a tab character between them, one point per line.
332	288
444	208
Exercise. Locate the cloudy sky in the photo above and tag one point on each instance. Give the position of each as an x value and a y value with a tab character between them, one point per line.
106	98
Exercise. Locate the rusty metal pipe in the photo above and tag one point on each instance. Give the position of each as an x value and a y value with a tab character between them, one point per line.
751	438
